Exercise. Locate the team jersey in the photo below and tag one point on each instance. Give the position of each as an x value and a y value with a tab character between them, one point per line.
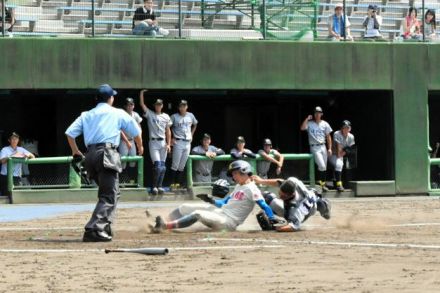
242	202
182	125
157	123
301	191
205	167
318	131
264	165
9	151
136	118
338	138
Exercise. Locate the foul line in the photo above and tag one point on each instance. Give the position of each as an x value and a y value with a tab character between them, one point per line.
39	228
333	243
171	249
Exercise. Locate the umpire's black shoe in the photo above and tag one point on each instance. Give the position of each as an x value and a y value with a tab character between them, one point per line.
96	236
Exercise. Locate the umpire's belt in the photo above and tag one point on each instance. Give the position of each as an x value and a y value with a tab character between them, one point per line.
156	138
182	139
103	144
316	144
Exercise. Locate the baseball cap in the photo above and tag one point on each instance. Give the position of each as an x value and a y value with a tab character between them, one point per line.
129	101
158	102
318	109
339	5
106	91
372	6
267	141
206	135
183	102
14	134
346	123
240	139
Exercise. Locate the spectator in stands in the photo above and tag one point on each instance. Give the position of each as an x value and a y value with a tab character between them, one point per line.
372	24
410	27
145	23
9	18
269	155
429	26
240	152
12	151
202	169
338	25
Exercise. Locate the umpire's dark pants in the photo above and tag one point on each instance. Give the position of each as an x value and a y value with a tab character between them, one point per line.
108	191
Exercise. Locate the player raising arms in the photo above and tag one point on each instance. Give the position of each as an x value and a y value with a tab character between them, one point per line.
296	203
226	213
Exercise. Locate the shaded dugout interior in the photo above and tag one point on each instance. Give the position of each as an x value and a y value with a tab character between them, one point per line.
44	116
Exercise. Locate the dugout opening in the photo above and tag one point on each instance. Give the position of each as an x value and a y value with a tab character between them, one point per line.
256	114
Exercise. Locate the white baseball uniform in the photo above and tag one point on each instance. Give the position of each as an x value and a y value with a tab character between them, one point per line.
202	169
230	215
300	208
338	138
123	148
317	133
182	136
157	124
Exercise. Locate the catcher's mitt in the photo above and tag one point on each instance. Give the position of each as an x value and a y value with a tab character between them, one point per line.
264	222
206	198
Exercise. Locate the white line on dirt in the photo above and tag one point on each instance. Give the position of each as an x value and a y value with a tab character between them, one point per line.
171	249
333	243
39	228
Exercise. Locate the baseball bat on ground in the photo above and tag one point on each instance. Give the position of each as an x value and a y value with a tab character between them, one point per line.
146	251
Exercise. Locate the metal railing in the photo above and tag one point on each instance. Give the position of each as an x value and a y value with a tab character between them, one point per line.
253	162
74	179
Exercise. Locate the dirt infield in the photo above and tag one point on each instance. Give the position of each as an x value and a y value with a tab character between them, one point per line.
369	245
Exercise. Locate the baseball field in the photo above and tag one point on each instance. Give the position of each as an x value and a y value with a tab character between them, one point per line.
369	245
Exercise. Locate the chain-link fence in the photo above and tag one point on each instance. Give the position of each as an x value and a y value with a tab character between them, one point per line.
389	20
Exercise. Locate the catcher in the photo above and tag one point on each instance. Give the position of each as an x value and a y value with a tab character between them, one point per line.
226	213
296	203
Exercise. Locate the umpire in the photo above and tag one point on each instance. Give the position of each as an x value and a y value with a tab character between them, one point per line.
101	128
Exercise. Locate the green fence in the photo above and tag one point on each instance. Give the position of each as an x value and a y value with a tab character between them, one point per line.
74	178
433	162
253	162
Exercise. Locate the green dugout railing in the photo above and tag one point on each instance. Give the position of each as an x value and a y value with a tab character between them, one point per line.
74	178
253	162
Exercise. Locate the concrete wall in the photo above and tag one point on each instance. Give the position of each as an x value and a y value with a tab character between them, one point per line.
407	69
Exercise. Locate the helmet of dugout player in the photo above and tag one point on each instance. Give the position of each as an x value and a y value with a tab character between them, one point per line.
243	166
220	188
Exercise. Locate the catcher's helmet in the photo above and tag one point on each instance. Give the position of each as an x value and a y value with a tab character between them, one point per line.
220	188
243	166
288	187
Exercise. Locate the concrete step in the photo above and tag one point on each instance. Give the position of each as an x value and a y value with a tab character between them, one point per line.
4	200
373	188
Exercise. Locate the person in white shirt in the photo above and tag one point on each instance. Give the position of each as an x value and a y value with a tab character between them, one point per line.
12	151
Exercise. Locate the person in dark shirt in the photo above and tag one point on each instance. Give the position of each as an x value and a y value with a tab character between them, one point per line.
145	23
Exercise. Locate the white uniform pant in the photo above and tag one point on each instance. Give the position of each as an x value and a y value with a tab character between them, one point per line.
181	151
125	151
297	214
158	150
337	163
320	155
209	215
